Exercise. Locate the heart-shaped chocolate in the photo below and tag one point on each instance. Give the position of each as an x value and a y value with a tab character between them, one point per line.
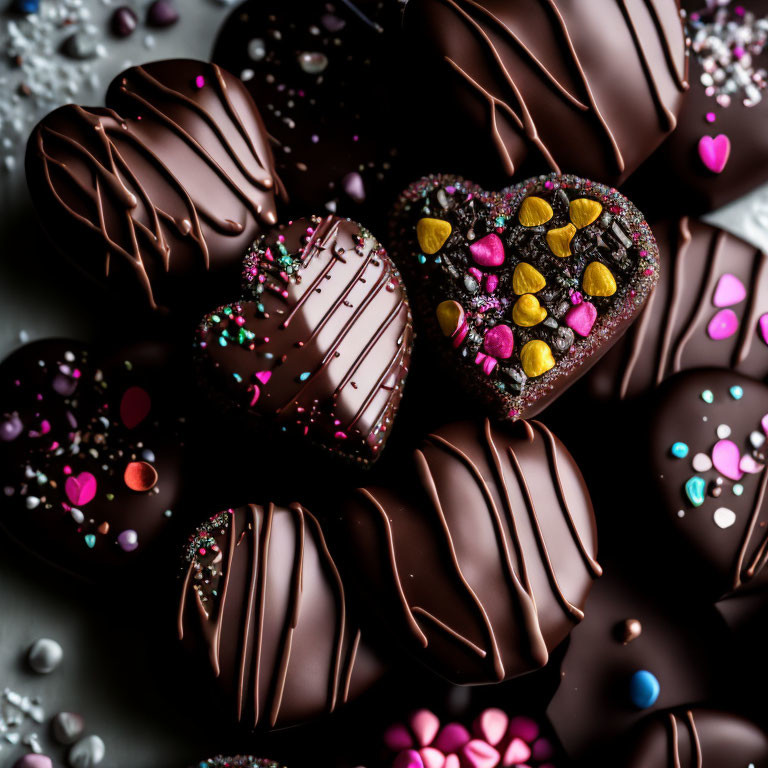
89	454
160	193
320	343
708	456
523	290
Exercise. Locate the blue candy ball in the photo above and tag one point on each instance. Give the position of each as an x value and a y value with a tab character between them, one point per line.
644	689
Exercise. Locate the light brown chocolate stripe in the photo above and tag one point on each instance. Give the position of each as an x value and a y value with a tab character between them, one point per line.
523	120
674	736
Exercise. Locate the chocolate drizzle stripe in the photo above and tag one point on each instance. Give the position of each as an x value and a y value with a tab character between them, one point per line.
183	602
414	625
695	741
570	609
592	565
637	333
252	584
449	630
291	617
708	286
216	648
261	545
752	524
429	484
752	313
350	666
675	741
681	78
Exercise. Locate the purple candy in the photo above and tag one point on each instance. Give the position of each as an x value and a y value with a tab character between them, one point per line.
10	428
488	251
124	21
162	13
128	540
352	184
33	761
64	385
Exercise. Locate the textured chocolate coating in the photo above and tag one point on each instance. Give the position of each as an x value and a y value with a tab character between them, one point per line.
687	185
320	74
672	332
684	647
697	737
160	193
320	343
559	228
89	454
264	598
591	88
239	761
481	559
722	527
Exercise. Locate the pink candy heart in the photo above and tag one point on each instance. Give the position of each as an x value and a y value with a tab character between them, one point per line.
134	406
478	754
581	318
749	466
491	725
723	325
432	758
730	290
488	251
452	738
726	458
452	761
425	726
714	152
499	341
81	489
517	752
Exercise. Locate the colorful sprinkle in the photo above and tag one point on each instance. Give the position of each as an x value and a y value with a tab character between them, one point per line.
707	396
726	458
714	152
695	488
140	476
80	489
724	517
128	540
90	540
737	392
644	689
679	450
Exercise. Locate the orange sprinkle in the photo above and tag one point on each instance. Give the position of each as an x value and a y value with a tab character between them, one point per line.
140	476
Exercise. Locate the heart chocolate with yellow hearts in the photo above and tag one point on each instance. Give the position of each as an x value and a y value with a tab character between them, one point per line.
319	343
524	289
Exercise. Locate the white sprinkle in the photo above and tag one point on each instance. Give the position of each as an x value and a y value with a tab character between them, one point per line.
723	431
757	439
701	462
77	515
33	502
680	513
724	517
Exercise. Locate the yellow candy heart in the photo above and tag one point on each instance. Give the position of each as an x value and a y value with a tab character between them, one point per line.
449	315
598	280
584	211
528	312
432	234
527	279
559	240
536	357
534	212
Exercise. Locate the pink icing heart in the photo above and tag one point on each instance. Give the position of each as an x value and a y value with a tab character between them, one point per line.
730	290
726	458
432	758
714	152
397	737
491	725
488	251
134	406
749	466
263	376
408	759
81	489
517	752
478	754
581	317
723	325
524	728
452	738
425	726
762	324
499	341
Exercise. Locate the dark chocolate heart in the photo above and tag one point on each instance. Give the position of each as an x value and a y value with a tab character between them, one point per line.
89	454
320	343
708	461
523	290
710	308
160	193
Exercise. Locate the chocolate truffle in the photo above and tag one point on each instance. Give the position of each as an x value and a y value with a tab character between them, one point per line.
710	308
522	290
89	454
263	598
320	343
697	737
683	648
592	88
718	151
321	75
480	559
708	462
158	195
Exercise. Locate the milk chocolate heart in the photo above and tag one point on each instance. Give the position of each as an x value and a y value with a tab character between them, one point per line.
320	342
523	290
89	454
160	193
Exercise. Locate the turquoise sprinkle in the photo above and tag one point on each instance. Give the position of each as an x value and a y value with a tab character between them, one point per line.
90	540
679	450
736	392
438	260
215	318
707	396
238	377
422	258
228	310
222	341
499	221
738	489
304	376
694	490
644	689
260	307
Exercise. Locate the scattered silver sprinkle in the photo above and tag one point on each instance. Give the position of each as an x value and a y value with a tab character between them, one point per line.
44	655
